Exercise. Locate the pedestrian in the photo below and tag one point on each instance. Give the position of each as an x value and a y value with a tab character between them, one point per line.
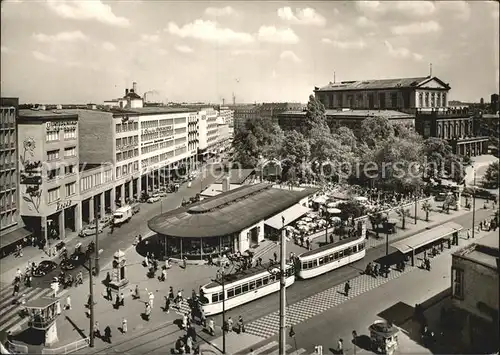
163	275
230	324
308	244
109	296
184	262
211	327
340	347
107	334
184	321
468	233
241	325
275	257
146	262
347	287
97	331
89	300
107	280
171	293
147	312
167	305
117	302
137	294
203	318
68	302
58	308
151	299
189	345
124	326
16	289
122	299
28	281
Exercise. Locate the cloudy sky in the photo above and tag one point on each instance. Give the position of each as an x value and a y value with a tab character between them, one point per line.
82	51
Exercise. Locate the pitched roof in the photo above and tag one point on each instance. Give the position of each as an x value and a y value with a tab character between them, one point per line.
227	213
377	84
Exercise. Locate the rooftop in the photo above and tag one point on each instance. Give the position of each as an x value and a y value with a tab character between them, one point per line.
376	84
46	115
486	251
152	110
354	114
237	176
227	213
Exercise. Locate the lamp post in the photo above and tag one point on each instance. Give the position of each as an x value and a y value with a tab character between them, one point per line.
473	202
220	279
96	240
326	229
282	337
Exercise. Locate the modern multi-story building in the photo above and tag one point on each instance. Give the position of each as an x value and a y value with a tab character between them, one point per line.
393	94
474	289
208	133
243	113
226	115
48	146
10	223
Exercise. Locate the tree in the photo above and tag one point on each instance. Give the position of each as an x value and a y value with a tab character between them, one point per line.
491	176
427	208
350	208
256	138
295	153
315	116
403	213
375	130
436	151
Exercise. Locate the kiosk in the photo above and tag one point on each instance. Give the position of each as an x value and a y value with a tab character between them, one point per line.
118	277
42	314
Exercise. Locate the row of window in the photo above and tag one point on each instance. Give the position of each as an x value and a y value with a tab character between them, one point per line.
55	173
126	141
127	169
437	99
7	199
8	219
8	115
127	126
54	154
7	158
332	257
128	154
457	277
54	194
7	138
7	178
101	177
250	286
155	135
68	133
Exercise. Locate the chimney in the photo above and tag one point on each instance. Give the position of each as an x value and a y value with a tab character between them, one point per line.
225	184
126	91
134	87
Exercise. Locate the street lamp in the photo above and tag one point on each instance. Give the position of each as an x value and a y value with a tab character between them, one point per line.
220	279
473	201
327	221
96	239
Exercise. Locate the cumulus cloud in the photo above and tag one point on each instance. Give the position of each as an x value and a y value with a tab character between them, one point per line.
43	57
306	16
355	44
209	31
460	9
108	46
87	10
184	49
6	50
289	55
401	52
275	35
370	7
238	52
410	8
416	8
150	38
220	11
61	37
363	21
416	28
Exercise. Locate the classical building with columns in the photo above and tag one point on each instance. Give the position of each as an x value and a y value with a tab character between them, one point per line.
49	200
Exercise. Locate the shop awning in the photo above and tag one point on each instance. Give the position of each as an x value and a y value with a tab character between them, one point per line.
290	214
14	236
425	238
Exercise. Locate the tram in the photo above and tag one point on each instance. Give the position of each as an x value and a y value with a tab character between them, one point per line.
330	257
243	287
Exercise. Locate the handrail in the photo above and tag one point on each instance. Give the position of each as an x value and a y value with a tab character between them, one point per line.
16	348
69	348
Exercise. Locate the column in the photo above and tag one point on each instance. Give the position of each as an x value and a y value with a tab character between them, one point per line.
78	216
102	204
62	227
43	225
91	209
147	182
139	187
122	194
112	197
131	190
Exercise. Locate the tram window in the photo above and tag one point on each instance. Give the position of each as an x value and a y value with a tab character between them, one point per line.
258	283
221	296
341	253
215	298
304	266
331	257
230	293
354	248
347	251
336	255
251	285
310	265
321	261
272	278
244	288
237	290
315	262
265	280
361	246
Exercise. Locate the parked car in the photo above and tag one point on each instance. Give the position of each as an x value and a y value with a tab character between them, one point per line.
136	207
89	230
75	260
44	267
154	199
162	194
105	221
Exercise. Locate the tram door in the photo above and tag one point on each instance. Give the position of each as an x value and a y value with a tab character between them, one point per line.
254	237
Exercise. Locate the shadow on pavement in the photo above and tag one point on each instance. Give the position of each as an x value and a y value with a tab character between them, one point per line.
77	328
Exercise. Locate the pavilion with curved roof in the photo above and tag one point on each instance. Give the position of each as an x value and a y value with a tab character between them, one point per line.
232	221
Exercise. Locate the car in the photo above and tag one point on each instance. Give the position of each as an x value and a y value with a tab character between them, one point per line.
105	221
89	230
44	267
75	260
154	199
162	194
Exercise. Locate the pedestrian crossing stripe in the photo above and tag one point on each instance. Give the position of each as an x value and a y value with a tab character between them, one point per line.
277	351
10	318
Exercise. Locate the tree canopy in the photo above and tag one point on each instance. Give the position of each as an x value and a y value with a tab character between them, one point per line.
491	176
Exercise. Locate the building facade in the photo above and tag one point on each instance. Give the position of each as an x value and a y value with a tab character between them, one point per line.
393	94
226	115
48	149
208	133
271	110
475	296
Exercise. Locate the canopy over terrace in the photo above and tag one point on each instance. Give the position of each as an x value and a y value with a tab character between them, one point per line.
290	215
214	225
426	238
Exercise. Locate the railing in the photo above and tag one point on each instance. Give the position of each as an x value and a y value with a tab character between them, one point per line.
68	349
16	348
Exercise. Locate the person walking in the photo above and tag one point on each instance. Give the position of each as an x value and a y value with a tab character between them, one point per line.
184	262
167	305
230	324
347	288
117	302
275	257
97	331
68	302
122	299
58	307
147	312
171	293
189	345
241	325
109	295
137	293
151	299
124	326
184	321
163	277
340	347
211	327
107	334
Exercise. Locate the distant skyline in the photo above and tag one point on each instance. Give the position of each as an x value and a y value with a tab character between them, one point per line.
57	51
